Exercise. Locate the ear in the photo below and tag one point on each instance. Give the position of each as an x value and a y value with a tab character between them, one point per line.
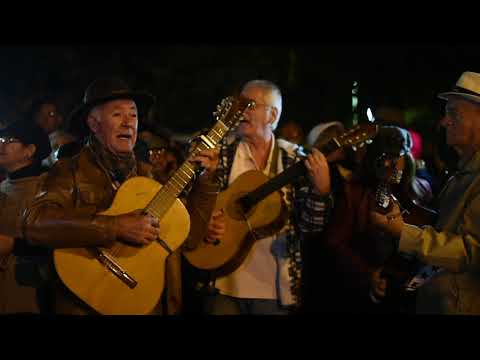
30	150
92	123
273	115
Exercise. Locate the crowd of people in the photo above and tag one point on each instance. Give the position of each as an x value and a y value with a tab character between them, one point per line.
387	225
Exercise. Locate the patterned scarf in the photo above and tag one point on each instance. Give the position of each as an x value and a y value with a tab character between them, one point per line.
119	168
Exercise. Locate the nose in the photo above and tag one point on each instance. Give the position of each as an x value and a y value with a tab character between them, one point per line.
128	121
247	112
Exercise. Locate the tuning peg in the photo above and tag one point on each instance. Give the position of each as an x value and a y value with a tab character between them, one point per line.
354	148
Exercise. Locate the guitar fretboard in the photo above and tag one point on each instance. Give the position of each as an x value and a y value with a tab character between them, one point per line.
289	175
177	183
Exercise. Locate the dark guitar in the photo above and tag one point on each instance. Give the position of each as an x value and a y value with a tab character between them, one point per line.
404	272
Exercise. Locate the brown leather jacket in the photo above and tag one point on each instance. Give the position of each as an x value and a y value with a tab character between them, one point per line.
63	215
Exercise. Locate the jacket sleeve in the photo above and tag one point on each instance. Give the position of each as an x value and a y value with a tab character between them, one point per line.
200	204
456	252
53	221
312	209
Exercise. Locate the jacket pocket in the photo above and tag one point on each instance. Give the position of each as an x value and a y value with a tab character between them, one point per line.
92	196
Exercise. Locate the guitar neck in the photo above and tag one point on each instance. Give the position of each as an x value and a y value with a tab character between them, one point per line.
289	175
184	174
177	183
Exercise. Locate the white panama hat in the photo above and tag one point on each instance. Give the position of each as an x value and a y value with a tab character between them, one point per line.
468	87
317	130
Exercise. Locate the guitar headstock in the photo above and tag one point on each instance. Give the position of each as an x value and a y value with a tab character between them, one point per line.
231	109
357	136
228	115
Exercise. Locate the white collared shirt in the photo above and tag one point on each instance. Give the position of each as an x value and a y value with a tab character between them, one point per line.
264	272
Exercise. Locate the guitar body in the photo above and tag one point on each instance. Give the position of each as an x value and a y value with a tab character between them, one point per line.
96	285
267	213
266	217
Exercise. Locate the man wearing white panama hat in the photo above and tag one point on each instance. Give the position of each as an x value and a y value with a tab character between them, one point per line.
453	243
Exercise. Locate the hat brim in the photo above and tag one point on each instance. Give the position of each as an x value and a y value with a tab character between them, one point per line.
77	125
450	94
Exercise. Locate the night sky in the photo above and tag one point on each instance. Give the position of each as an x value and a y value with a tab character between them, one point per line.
189	79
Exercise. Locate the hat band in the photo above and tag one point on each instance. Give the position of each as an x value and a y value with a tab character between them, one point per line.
465	91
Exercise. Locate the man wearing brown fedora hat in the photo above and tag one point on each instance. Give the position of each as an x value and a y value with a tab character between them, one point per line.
450	247
64	214
23	145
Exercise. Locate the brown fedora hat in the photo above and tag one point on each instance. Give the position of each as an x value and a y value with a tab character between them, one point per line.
99	92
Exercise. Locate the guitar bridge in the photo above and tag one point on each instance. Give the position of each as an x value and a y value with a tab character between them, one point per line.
115	268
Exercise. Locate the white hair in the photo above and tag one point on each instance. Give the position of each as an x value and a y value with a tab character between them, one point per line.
272	92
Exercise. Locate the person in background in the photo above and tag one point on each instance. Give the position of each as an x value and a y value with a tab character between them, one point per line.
44	111
292	132
23	145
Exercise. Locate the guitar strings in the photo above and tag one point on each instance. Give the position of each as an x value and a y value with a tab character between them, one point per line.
166	197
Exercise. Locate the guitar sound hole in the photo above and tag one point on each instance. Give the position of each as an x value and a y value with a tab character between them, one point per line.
235	208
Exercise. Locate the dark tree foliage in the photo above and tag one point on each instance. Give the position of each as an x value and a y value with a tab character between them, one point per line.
189	79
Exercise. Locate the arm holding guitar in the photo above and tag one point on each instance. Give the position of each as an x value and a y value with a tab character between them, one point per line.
391	222
437	248
216	227
201	200
53	221
208	162
314	200
318	171
137	228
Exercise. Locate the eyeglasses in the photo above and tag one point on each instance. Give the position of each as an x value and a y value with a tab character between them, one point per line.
8	140
154	151
256	104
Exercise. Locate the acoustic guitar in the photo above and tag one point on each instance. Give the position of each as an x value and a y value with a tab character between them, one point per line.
125	279
254	208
